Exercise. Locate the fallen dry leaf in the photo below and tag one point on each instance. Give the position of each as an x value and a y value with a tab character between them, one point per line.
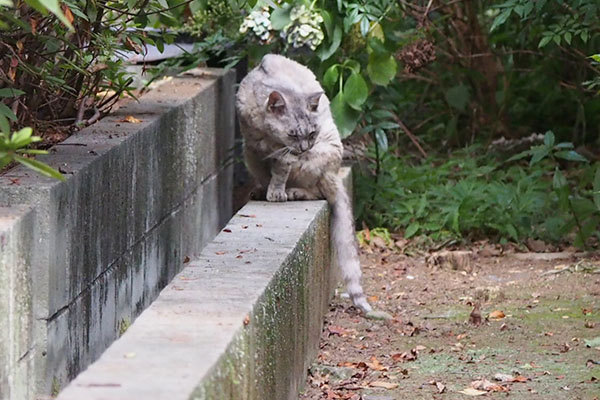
337	330
376	365
496	315
484	384
509	378
472	392
406	356
247	215
475	316
385	385
131	119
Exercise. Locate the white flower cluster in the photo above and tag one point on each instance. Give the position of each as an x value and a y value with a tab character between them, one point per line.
260	23
305	28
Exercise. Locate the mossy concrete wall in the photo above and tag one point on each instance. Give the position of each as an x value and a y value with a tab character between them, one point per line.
16	312
241	322
138	199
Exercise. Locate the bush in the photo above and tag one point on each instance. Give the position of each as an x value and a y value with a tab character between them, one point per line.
474	195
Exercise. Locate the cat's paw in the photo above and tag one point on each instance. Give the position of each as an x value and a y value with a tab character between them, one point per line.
276	195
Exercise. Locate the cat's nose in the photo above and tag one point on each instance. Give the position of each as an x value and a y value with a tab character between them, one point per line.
304	145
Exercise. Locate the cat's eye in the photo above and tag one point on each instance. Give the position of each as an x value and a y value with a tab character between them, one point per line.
313	107
312	134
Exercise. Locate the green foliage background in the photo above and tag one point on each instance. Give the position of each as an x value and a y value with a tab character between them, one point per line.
426	86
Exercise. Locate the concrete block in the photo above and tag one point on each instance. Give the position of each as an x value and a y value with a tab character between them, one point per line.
16	313
137	197
242	321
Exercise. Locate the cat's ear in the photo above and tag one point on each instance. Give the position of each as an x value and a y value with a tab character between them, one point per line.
276	103
313	101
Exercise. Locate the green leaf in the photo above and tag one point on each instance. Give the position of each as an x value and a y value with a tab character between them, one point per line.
40	167
355	91
595	57
559	180
564	145
501	18
6	3
10	92
7	112
549	138
21	138
325	53
512	231
570	155
458	97
280	17
545	40
381	68
331	77
344	116
538	153
567	36
382	140
4	125
411	230
520	156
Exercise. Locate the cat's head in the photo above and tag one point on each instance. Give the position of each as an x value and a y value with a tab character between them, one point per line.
293	119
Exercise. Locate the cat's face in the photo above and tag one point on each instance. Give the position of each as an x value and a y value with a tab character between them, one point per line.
293	120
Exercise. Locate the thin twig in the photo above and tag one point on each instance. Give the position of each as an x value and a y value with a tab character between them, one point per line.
410	135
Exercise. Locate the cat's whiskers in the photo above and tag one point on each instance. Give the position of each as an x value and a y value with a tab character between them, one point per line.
283	151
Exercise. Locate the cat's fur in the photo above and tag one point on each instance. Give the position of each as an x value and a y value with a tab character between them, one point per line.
293	150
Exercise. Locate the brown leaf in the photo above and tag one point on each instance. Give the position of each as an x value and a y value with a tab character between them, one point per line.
130	119
496	315
68	14
33	23
186	259
219	253
484	384
509	378
247	215
406	356
475	317
376	365
337	330
227	230
382	384
246	320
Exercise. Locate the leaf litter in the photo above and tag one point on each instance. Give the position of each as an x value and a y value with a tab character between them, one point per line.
444	321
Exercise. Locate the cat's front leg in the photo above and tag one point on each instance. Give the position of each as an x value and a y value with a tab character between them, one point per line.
280	170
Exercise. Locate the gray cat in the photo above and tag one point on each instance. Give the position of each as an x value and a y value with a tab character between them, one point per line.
293	150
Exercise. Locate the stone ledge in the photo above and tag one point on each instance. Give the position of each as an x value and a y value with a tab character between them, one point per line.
242	321
138	199
16	315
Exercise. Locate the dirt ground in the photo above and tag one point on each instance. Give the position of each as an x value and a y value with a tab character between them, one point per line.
487	325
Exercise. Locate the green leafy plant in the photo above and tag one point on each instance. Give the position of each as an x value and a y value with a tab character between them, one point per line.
474	195
13	148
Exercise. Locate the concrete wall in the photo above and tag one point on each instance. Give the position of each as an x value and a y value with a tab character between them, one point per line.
241	322
16	313
138	199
